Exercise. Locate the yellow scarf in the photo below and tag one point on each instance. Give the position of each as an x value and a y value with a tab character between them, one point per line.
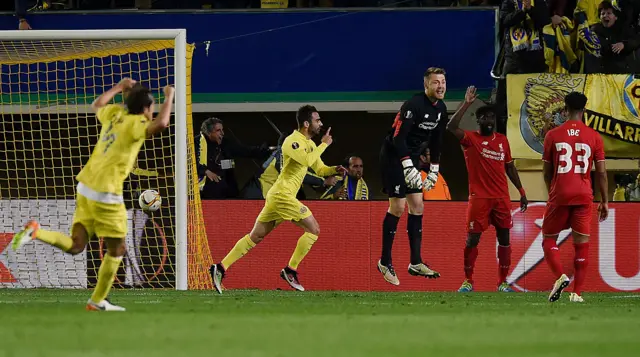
558	53
362	190
585	15
524	37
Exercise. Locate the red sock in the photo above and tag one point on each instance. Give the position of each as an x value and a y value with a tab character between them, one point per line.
470	255
580	264
552	256
504	262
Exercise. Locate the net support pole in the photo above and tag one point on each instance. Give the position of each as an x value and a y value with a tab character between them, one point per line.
181	181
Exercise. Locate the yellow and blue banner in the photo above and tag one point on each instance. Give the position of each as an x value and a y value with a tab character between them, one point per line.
536	101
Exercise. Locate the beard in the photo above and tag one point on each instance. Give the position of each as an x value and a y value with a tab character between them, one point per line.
486	130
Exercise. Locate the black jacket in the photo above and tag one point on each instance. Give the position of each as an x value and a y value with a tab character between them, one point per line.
229	149
609	62
523	61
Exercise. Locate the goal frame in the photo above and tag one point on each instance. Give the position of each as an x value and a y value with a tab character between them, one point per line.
179	36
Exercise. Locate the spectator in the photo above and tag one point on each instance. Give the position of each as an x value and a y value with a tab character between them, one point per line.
633	190
215	156
630	10
439	192
21	14
352	186
521	23
258	187
618	43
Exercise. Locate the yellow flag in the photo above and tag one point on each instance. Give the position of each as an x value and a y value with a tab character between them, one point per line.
535	103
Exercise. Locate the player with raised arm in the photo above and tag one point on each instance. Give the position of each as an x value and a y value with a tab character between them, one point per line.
100	208
489	162
570	151
421	119
299	153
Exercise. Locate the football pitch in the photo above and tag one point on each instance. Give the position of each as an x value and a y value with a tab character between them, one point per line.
54	323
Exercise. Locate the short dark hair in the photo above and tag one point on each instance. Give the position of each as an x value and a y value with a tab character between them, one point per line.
607	5
305	113
208	125
349	157
137	99
434	70
575	102
483	110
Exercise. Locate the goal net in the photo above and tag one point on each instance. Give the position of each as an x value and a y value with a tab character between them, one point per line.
48	80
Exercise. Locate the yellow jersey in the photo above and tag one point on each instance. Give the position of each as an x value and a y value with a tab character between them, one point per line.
112	159
298	154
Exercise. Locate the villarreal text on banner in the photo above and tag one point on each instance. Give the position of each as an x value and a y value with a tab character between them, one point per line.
535	103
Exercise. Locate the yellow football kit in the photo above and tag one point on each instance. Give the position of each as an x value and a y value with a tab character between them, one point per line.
298	154
99	203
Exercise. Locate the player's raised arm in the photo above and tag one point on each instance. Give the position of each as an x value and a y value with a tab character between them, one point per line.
106	97
454	124
161	121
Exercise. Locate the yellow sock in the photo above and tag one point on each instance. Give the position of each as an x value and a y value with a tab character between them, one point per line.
56	239
106	275
302	248
241	248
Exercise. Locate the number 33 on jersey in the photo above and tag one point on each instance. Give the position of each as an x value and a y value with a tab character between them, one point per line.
572	148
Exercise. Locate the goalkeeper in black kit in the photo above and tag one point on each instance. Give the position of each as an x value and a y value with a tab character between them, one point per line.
422	119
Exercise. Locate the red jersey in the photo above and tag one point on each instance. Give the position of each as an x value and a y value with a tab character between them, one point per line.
485	157
571	148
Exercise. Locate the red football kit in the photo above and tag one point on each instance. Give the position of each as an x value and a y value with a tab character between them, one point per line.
571	148
489	201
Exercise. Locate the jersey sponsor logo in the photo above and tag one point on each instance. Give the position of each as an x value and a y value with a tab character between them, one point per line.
492	155
295	145
429	125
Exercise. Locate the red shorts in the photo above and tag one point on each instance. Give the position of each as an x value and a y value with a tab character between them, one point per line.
484	211
558	218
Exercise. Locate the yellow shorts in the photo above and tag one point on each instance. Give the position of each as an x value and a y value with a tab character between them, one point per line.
280	209
102	219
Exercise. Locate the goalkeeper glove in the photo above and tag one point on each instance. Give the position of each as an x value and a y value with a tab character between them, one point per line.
432	177
411	175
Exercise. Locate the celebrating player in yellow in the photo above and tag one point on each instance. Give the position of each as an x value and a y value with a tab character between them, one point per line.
100	206
299	153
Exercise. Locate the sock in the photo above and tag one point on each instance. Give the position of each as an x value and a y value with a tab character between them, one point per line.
56	239
389	227
414	229
302	248
470	255
106	275
580	264
242	247
552	256
504	262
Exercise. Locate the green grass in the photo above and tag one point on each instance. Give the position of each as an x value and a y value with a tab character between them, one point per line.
281	323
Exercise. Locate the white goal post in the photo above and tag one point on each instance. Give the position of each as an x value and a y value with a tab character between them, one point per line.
180	169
